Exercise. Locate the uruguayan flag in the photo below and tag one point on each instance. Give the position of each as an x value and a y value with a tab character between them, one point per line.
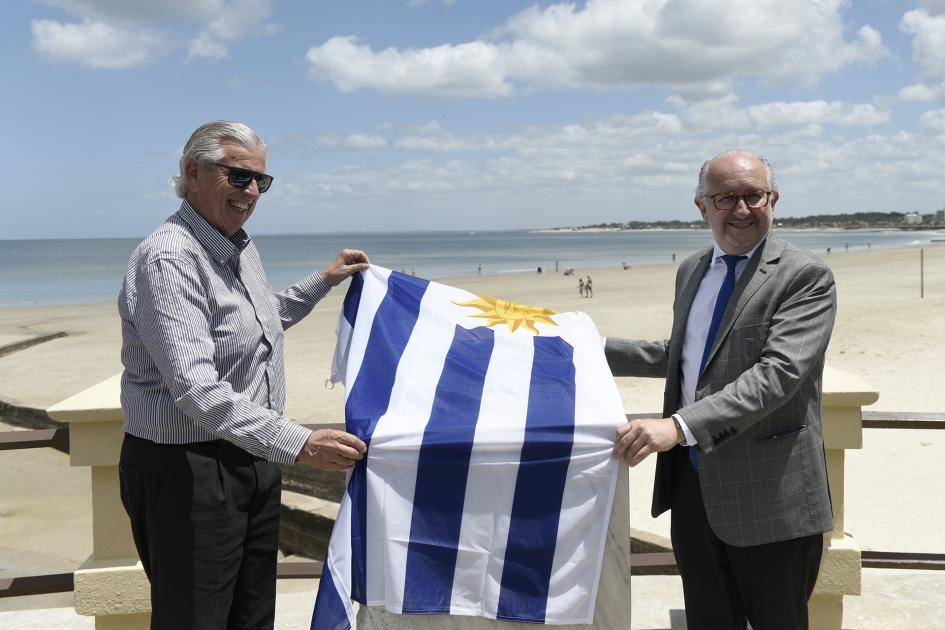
488	481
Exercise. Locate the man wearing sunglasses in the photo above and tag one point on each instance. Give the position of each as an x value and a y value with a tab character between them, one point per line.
740	445
203	393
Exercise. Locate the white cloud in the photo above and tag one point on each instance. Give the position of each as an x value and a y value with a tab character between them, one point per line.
432	137
724	113
232	21
114	34
933	121
616	131
142	10
352	141
921	93
934	7
928	41
579	175
686	45
464	70
711	113
94	44
206	47
803	113
365	141
637	166
441	142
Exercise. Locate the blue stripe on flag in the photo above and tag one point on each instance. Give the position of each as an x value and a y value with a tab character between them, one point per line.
539	488
330	613
353	298
370	396
442	470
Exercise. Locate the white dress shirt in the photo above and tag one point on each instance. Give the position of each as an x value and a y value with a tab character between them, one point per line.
697	329
203	341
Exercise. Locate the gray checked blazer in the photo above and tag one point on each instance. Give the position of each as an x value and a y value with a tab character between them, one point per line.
756	415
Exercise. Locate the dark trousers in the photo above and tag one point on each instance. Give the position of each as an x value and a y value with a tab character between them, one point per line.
205	520
724	586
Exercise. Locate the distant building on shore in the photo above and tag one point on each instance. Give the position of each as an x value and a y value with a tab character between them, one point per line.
912	218
940	216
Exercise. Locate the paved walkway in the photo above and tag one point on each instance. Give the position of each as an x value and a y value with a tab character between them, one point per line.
891	600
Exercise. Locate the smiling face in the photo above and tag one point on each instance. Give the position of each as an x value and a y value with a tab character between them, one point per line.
209	193
741	228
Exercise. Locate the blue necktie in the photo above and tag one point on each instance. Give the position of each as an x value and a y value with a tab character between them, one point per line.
721	301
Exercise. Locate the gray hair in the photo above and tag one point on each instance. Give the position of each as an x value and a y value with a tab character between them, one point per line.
701	187
205	146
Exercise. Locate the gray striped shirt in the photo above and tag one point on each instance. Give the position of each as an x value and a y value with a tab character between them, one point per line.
203	340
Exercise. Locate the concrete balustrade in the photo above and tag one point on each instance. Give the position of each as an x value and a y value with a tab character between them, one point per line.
112	586
844	397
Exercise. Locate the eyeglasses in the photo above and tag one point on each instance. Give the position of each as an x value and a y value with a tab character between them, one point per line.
240	177
753	200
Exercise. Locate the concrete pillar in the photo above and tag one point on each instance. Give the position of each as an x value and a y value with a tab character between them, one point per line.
844	396
110	585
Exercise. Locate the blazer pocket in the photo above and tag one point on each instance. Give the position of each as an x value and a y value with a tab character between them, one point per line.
751	326
747	338
782	432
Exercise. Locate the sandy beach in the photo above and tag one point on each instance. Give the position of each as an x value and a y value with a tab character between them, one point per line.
885	334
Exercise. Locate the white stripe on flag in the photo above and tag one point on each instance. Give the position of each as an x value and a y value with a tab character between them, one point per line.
587	500
395	449
489	493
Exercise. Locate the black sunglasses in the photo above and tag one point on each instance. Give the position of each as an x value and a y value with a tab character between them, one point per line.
240	177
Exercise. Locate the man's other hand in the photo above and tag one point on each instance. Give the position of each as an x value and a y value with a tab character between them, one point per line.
331	449
348	263
641	437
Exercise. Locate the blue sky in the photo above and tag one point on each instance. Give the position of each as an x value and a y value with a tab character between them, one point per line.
468	114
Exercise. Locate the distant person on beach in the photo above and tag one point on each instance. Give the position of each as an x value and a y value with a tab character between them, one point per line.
581	286
741	453
203	393
588	288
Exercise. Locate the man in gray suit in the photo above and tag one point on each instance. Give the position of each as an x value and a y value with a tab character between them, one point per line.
741	453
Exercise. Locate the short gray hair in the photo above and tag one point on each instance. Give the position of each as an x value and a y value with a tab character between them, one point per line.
206	147
701	187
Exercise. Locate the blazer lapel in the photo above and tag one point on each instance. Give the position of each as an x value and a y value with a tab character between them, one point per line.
752	279
681	311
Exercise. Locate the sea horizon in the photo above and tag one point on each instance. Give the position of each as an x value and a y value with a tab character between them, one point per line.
538	230
51	271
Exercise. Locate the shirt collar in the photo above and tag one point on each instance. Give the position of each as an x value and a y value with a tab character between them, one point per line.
717	252
218	246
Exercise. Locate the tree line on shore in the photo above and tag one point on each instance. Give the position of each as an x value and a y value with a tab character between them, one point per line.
854	220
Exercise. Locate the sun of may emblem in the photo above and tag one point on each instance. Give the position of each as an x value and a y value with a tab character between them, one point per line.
514	315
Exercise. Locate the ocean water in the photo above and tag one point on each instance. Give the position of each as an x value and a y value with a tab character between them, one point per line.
80	271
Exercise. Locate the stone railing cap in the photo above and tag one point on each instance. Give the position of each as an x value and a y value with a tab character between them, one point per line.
99	403
842	389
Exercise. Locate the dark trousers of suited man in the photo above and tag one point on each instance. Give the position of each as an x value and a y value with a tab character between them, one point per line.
740	447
